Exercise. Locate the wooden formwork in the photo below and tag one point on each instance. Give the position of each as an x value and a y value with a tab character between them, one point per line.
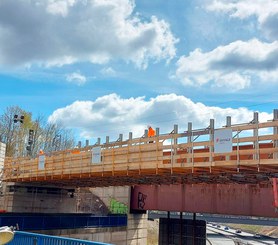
163	159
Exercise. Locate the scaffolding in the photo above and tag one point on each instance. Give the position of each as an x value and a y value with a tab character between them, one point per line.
187	157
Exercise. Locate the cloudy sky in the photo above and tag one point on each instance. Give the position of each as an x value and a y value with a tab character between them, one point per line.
105	67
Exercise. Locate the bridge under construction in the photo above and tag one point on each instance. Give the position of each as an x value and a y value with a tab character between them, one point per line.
243	153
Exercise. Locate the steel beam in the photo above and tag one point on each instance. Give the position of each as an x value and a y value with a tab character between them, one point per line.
230	199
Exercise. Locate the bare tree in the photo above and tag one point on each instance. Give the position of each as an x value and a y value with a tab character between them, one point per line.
13	131
27	137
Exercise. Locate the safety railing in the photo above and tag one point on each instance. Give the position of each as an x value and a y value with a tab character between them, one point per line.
26	238
253	148
62	221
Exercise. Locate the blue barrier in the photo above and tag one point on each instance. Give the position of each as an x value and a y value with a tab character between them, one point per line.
33	222
27	238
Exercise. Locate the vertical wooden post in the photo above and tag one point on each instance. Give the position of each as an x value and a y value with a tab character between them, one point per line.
129	143
211	139
106	142
228	125
175	143
275	132
157	148
256	135
189	140
275	156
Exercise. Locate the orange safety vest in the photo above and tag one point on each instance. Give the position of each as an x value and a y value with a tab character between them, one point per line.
151	132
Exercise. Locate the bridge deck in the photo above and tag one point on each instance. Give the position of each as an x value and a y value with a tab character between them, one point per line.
169	159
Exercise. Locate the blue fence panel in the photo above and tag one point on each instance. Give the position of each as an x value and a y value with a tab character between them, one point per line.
28	238
27	222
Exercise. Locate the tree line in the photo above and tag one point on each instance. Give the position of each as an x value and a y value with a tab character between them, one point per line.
24	135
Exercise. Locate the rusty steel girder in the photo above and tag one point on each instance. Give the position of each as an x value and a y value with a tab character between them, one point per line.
229	199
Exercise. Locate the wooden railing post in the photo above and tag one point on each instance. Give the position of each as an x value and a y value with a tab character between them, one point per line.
189	140
275	132
228	125
256	136
211	139
128	145
157	148
175	143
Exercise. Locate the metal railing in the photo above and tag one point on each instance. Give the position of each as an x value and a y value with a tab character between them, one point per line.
27	238
60	221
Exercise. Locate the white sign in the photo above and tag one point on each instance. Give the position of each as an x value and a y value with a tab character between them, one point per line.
41	162
223	140
96	154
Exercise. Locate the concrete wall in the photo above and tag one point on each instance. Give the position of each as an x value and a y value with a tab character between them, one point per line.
24	198
136	230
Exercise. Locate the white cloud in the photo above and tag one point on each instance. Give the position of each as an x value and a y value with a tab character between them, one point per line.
231	66
57	32
109	71
111	115
76	78
59	7
266	12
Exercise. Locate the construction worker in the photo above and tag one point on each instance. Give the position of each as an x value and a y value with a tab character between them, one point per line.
151	132
41	152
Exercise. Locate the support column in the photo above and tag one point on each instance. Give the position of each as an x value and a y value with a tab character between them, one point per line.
193	229
181	229
136	230
168	227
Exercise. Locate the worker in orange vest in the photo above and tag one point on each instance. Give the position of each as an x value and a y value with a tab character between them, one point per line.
41	152
151	132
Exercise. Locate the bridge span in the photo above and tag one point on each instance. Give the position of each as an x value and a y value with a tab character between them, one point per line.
230	170
190	157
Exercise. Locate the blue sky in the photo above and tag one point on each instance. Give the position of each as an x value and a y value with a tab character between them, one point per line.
115	66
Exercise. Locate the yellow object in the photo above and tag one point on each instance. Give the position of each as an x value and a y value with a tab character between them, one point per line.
6	235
